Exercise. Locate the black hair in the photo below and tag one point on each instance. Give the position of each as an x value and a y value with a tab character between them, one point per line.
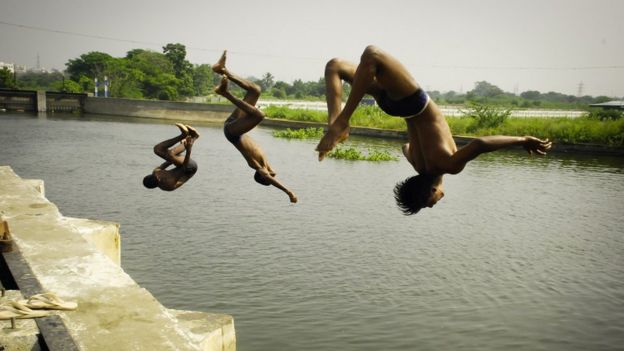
413	193
150	181
261	180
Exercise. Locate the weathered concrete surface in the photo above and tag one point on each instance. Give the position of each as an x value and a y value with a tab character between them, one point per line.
158	109
222	335
103	235
114	313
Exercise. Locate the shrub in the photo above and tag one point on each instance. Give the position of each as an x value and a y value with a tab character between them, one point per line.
602	114
349	153
303	133
485	116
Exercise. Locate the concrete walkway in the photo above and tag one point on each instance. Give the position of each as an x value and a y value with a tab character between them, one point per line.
78	260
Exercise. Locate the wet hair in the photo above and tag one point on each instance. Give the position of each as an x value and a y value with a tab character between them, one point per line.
261	180
413	193
150	181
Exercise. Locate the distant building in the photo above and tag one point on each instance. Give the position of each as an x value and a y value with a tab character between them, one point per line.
615	104
9	66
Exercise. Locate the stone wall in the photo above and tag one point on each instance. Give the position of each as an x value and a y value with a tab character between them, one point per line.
158	109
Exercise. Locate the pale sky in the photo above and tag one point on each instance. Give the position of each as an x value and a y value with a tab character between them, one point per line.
518	45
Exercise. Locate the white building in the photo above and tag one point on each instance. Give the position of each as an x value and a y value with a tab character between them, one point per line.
7	65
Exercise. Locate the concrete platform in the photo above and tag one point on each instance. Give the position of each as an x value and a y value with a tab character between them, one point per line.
114	312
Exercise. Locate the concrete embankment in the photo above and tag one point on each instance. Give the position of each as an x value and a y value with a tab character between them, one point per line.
78	260
158	109
198	112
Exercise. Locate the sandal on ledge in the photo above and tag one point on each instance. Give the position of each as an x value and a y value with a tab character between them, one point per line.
48	301
19	311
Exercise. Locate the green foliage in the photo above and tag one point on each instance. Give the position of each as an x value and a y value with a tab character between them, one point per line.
485	116
352	154
6	79
280	112
176	54
203	78
267	82
603	114
126	80
38	80
92	64
303	133
560	130
485	89
67	86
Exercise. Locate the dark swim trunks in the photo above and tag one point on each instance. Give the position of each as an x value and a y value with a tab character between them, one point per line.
191	167
234	139
409	106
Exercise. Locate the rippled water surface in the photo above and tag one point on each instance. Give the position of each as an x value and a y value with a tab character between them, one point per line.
522	253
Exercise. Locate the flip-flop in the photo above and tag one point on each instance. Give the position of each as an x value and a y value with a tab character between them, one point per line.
19	311
48	301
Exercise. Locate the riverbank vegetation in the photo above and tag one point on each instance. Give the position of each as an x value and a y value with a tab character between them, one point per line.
168	75
302	133
353	154
341	152
599	127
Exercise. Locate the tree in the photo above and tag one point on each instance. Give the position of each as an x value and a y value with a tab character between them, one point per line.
6	79
176	53
125	80
266	82
530	95
485	89
92	65
203	78
67	86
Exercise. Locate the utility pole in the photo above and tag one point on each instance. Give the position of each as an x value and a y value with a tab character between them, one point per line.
580	89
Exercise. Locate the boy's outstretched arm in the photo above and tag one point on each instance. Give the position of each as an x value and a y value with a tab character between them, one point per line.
277	184
484	144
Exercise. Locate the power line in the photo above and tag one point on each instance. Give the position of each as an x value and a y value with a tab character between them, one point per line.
514	68
101	37
536	68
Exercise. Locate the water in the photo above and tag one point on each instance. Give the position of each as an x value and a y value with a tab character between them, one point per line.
521	254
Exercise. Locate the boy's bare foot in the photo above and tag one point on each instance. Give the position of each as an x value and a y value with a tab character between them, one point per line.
192	131
182	128
336	134
219	67
222	87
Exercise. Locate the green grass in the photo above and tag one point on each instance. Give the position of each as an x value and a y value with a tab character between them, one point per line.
559	130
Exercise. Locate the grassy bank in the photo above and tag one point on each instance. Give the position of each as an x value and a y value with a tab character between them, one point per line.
560	130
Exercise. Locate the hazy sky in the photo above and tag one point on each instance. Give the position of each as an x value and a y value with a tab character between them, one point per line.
518	45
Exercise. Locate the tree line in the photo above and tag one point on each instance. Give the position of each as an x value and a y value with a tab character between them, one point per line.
147	74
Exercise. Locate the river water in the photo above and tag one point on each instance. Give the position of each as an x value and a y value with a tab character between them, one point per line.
523	253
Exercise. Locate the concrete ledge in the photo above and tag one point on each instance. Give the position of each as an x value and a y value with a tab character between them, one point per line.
102	234
158	109
114	312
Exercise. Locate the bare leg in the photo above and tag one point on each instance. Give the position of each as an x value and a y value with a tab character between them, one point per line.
377	71
247	115
336	71
162	149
